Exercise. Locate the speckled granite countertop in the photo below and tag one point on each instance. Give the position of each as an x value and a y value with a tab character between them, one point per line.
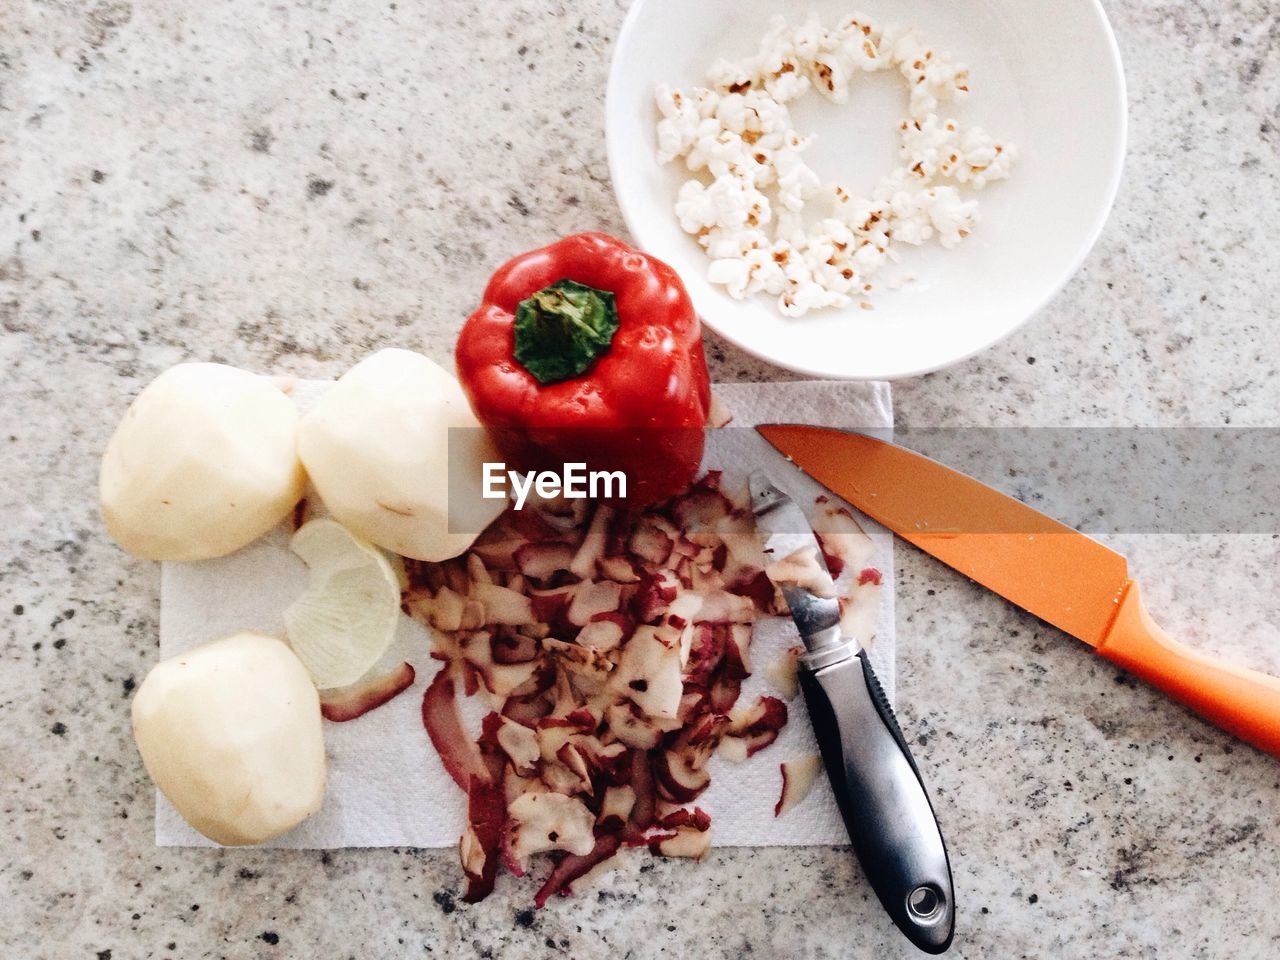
287	186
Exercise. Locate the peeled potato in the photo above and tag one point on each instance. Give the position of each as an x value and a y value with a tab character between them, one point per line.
230	733
204	462
379	450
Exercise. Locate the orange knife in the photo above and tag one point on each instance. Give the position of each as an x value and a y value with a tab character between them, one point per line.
1059	574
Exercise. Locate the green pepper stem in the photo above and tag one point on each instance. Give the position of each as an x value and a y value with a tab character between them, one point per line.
562	329
553	308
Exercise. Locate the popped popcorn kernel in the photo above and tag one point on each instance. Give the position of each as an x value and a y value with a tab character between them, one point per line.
766	220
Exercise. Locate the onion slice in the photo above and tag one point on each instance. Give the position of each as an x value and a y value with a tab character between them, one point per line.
347	617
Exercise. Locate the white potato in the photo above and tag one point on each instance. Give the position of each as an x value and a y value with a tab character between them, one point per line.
230	733
380	451
204	462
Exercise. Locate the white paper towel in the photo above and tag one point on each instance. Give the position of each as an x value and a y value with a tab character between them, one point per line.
386	785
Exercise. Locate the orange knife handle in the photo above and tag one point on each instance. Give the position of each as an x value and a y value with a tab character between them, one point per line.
1239	700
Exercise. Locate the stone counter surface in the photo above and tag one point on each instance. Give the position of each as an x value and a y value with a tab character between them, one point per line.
287	186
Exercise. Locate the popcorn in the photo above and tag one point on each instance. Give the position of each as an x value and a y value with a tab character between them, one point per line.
807	296
728	77
732	112
983	159
858	43
933	77
767	275
809	39
813	245
732	273
796	182
831	76
772	119
719	154
722	244
685	120
695	209
951	216
787	83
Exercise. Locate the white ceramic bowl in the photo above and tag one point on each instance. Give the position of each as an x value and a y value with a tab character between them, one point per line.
1044	74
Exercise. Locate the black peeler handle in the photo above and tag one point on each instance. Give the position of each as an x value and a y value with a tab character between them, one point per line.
882	799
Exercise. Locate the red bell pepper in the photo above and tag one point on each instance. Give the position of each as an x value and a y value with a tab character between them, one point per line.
588	351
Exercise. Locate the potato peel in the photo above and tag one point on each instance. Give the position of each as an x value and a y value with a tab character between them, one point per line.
611	647
349	703
798	778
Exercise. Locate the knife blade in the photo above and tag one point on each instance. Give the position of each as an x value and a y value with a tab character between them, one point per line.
877	786
1058	574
